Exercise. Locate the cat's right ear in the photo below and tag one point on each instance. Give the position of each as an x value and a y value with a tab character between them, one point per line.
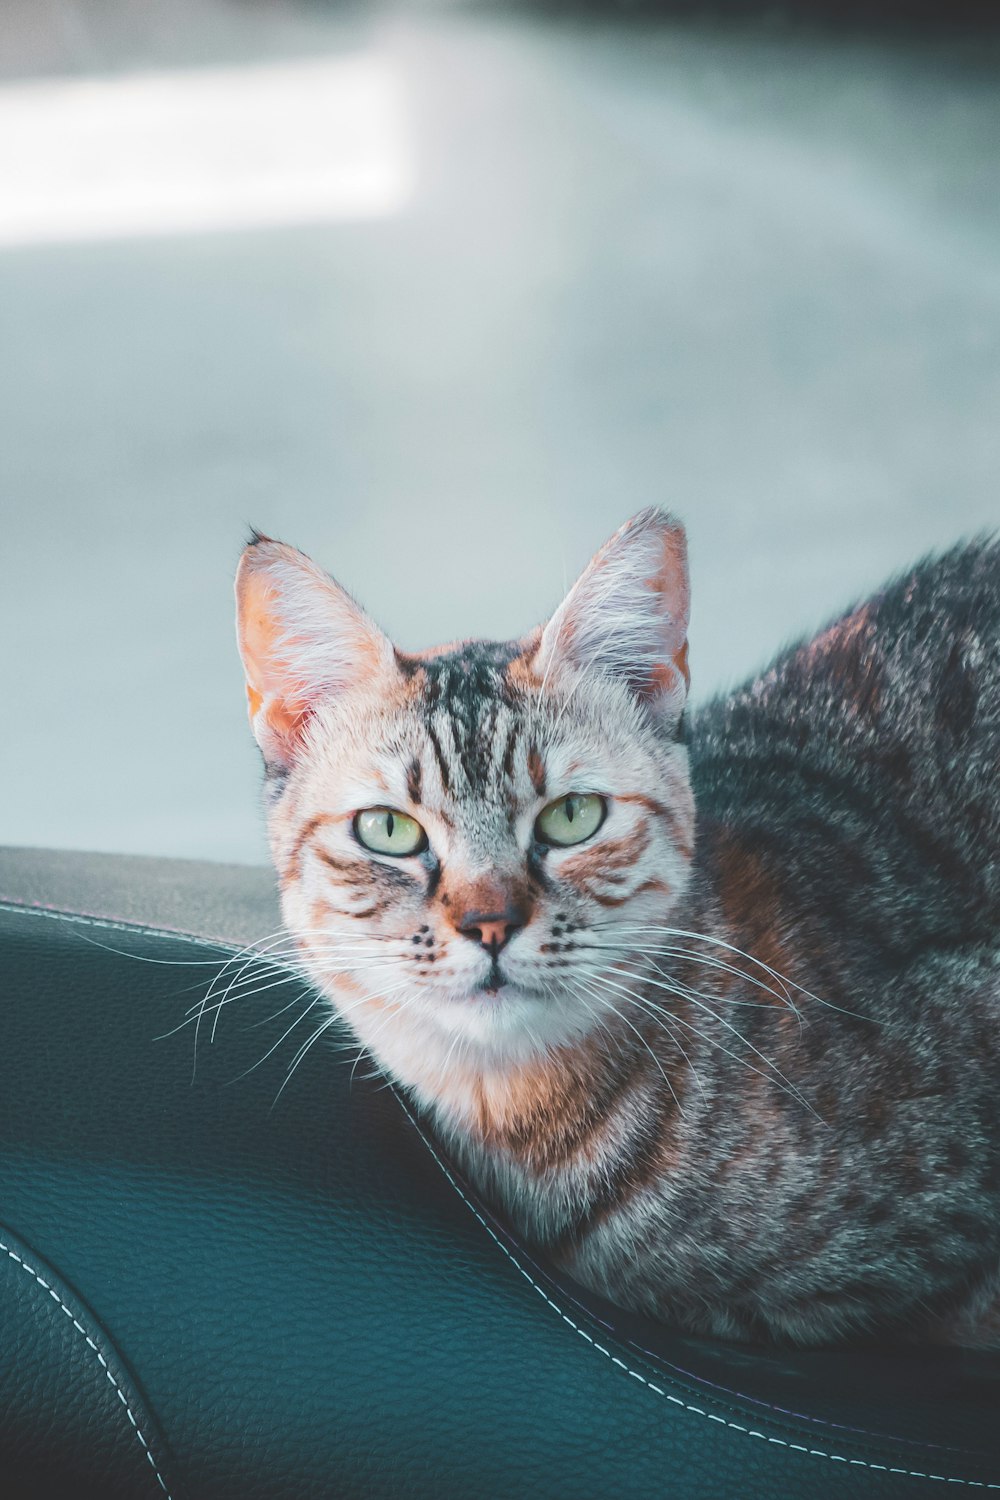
627	615
302	639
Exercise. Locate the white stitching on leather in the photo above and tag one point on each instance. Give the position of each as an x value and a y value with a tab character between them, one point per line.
974	1484
977	1484
16	908
103	1362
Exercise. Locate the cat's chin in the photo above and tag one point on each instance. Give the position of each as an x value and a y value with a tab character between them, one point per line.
498	994
508	1024
502	1002
486	1008
458	1031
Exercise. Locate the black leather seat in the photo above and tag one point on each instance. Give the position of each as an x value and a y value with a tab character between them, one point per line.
208	1294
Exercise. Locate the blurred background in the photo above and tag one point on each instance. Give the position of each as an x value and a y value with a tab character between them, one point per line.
441	293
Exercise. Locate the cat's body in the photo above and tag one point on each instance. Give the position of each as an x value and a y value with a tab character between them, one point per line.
848	835
748	1078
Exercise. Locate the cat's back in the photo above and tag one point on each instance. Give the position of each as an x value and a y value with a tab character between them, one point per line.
865	762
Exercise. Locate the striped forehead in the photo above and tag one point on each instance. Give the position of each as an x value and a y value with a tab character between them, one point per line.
469	711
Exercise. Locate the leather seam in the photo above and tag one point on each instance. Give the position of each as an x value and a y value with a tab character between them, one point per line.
100	1358
20	908
613	1358
978	1484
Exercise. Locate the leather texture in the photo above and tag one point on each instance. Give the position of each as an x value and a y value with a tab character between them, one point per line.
236	903
298	1295
72	1421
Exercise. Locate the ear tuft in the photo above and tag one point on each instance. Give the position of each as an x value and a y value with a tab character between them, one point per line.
627	615
302	639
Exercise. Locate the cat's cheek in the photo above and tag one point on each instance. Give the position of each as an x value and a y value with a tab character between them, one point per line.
607	879
409	1049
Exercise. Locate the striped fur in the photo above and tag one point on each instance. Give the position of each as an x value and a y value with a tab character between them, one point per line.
745	1081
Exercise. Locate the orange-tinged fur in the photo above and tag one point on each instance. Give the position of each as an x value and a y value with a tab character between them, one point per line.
539	1111
752	903
678	818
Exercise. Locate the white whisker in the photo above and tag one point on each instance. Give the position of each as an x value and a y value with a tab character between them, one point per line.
330	1021
604	1001
287	1032
775	1076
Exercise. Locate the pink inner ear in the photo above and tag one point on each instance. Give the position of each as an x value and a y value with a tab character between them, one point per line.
663	678
670	583
672	578
278	707
628	612
302	639
681	663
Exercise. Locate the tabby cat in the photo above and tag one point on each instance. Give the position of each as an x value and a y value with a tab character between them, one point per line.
709	1005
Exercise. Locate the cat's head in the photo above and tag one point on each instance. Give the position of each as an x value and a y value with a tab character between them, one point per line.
471	841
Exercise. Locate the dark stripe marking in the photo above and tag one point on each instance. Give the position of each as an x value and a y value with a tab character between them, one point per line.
439	753
536	771
303	836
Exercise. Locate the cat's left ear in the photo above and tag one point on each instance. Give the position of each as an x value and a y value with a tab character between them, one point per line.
303	640
627	615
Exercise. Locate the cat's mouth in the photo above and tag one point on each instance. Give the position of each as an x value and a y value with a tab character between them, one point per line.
495	980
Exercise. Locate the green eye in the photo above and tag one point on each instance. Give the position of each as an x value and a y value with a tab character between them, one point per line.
571	819
386	831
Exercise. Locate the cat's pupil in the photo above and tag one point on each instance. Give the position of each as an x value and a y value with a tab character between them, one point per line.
570	809
389	821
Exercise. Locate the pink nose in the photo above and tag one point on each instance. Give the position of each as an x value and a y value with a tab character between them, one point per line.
493	930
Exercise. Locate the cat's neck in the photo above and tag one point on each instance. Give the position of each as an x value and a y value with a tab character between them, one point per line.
535	1110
